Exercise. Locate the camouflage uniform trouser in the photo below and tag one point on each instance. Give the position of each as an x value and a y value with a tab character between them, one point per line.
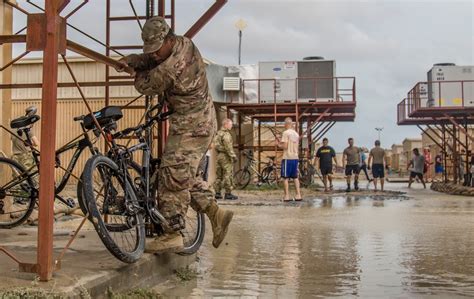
179	185
27	161
224	173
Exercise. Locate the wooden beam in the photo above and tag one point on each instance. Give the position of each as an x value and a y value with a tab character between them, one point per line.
205	18
45	257
12	39
84	51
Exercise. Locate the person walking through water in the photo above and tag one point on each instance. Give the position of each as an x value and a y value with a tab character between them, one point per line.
378	162
351	162
325	156
172	68
439	170
417	163
363	164
289	165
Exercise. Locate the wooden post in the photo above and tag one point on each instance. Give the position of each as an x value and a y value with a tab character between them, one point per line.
6	27
48	137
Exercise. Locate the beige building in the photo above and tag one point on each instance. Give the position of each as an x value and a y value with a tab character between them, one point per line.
398	159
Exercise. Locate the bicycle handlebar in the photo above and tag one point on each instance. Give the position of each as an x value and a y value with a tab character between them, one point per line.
162	116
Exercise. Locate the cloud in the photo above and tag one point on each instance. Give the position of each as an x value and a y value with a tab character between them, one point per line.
388	45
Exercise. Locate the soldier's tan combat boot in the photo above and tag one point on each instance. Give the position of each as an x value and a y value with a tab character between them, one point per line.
220	220
167	243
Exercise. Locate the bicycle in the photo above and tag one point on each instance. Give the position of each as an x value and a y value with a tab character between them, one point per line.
306	172
268	175
20	194
123	207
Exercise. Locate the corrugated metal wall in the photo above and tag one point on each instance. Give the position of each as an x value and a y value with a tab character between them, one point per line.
70	103
67	129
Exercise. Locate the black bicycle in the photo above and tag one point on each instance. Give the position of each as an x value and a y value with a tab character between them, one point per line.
19	189
121	196
268	175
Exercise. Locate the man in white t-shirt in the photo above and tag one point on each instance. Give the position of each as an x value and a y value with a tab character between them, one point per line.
289	165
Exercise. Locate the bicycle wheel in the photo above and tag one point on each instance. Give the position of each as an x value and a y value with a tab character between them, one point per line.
269	175
193	233
109	195
306	174
242	178
80	196
17	194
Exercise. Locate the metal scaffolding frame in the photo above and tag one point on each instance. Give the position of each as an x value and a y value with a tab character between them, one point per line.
313	117
47	32
445	122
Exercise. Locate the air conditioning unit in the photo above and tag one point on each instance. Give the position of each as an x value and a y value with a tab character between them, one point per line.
231	84
306	80
445	88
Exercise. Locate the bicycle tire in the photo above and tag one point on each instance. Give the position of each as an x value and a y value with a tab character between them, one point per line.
104	229
192	244
30	200
268	175
242	178
192	238
80	196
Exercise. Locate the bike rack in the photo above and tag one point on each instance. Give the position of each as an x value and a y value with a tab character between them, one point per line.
44	32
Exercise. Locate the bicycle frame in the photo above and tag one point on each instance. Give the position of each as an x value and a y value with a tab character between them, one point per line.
143	193
79	145
250	166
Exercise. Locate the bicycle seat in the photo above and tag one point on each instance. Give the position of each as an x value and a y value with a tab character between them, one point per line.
24	121
104	116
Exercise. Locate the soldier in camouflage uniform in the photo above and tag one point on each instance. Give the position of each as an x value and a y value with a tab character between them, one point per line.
172	66
225	161
21	153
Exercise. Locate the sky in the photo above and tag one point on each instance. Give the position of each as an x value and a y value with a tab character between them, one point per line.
388	45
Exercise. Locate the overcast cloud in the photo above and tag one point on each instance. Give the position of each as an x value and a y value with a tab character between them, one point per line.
387	45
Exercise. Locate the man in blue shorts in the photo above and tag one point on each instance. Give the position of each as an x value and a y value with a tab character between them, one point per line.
378	160
289	165
325	155
439	167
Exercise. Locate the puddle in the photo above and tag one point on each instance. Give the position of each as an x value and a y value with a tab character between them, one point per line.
342	246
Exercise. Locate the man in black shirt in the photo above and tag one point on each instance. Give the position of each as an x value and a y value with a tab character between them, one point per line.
325	155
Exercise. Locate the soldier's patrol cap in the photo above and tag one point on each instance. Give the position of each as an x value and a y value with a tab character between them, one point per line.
154	33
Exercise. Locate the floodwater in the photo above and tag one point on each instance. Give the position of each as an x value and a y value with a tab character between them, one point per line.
343	247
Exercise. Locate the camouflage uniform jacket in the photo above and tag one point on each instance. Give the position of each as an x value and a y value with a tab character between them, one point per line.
182	77
224	143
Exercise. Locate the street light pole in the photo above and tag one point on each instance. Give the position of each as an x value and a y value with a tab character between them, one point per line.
379	130
240	25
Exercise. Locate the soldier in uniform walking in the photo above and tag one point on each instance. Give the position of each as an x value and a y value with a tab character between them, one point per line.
225	161
172	66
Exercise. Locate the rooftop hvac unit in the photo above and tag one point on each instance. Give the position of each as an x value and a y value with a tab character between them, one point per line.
443	93
307	80
231	84
316	80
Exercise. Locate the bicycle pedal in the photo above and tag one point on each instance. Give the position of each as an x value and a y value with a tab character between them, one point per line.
71	203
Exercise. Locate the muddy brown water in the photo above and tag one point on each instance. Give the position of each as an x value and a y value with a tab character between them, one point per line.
345	246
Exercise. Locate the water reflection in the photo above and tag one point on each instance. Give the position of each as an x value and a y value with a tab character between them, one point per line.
342	246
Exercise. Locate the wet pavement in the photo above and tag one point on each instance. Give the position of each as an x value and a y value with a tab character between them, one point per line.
343	246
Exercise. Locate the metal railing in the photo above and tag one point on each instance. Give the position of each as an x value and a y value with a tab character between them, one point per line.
302	90
441	94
